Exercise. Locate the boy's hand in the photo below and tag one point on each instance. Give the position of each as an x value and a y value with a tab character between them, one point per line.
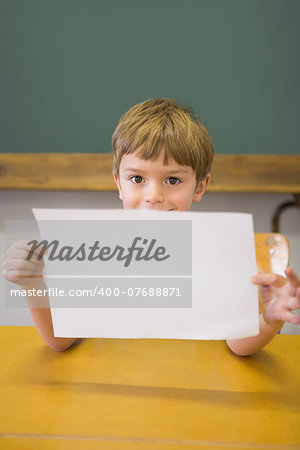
280	296
18	269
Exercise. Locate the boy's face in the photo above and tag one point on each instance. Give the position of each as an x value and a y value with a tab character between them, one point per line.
150	184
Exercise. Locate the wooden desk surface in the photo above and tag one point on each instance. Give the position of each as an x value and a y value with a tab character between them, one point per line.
144	394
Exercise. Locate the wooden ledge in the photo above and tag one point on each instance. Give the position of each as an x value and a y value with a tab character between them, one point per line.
256	174
92	172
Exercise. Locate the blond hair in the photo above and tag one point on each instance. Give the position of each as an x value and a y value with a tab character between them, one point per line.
161	125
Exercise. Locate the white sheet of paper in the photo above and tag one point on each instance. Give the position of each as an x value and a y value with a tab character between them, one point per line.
224	302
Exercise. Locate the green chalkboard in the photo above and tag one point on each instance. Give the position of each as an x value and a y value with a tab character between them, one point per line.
70	68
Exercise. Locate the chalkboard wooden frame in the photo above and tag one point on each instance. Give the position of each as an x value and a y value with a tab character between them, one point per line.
92	172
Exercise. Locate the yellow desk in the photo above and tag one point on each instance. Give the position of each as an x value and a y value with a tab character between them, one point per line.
147	394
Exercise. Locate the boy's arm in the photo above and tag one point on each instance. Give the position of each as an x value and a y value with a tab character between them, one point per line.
43	322
250	345
280	297
29	275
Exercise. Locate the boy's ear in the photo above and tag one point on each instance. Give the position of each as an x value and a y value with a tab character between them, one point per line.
201	188
117	181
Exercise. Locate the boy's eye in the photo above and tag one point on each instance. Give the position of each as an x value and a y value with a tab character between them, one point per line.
137	179
173	180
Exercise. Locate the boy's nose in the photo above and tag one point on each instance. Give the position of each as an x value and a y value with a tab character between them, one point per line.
154	194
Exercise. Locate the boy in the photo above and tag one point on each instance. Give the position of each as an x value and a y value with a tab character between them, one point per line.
162	160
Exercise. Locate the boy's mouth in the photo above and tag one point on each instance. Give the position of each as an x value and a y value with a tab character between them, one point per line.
160	209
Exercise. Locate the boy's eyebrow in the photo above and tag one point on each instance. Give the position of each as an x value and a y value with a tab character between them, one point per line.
133	169
137	169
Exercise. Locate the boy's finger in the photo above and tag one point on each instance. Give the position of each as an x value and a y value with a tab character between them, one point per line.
15	263
14	254
23	244
36	251
292	277
269	279
19	274
294	303
291	317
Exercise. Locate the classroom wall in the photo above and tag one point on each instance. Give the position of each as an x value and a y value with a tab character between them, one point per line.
18	204
70	68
